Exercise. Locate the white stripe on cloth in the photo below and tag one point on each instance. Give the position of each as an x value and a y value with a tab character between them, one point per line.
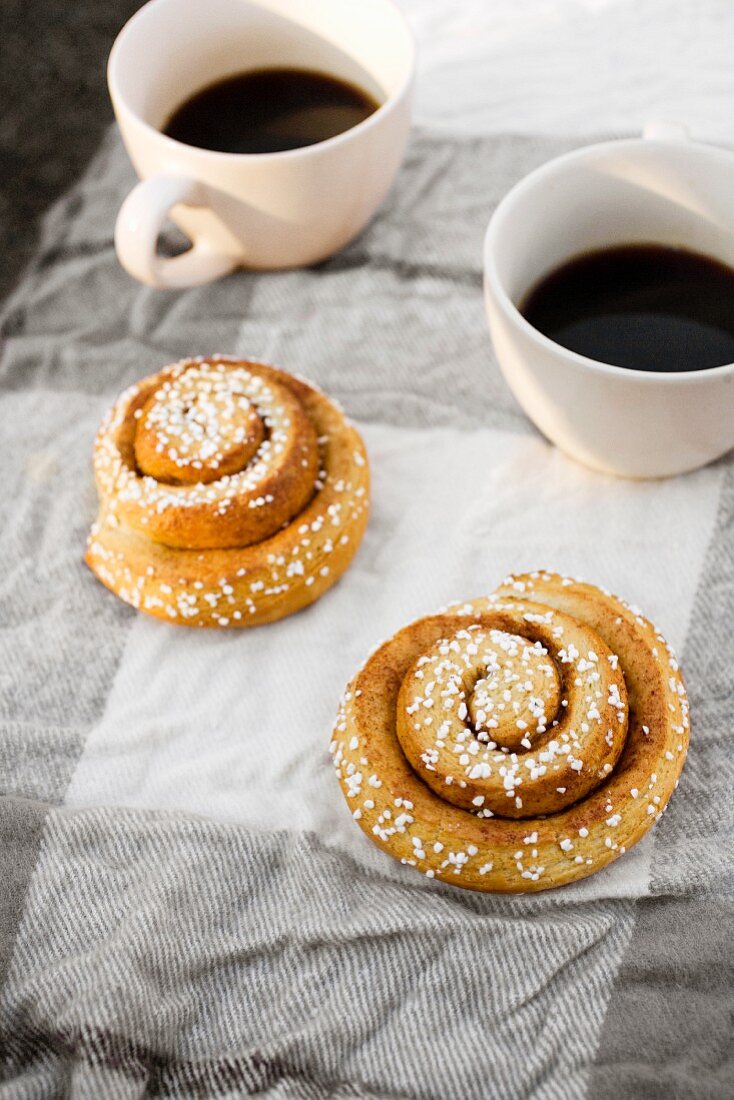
235	725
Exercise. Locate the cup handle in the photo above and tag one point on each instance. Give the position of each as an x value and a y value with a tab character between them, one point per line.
139	223
665	130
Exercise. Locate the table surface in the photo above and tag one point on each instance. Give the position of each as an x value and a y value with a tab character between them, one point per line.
575	66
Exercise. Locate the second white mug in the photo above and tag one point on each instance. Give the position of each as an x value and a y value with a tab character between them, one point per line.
660	189
265	210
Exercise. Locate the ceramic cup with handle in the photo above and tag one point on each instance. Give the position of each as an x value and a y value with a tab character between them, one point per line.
659	189
267	210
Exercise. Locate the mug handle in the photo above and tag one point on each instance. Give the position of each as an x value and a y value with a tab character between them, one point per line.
138	226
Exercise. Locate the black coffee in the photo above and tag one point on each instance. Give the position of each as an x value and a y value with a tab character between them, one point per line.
647	307
269	111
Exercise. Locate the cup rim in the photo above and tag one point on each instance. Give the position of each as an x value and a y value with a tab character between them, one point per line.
120	103
513	314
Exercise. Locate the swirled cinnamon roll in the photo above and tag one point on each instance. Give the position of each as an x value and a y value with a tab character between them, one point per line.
231	494
515	742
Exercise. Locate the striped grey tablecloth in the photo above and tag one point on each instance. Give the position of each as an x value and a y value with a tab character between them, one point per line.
186	908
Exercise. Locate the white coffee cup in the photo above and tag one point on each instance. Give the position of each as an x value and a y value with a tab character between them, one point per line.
659	189
270	210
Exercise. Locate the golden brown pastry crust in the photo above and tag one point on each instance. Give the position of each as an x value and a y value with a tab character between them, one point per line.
591	777
231	494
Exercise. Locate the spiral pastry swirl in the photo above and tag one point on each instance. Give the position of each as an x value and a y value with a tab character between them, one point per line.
516	742
231	494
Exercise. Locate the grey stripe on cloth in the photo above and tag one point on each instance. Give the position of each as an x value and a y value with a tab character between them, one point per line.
59	645
670	1024
164	955
21	828
699	859
668	1029
195	957
415	351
